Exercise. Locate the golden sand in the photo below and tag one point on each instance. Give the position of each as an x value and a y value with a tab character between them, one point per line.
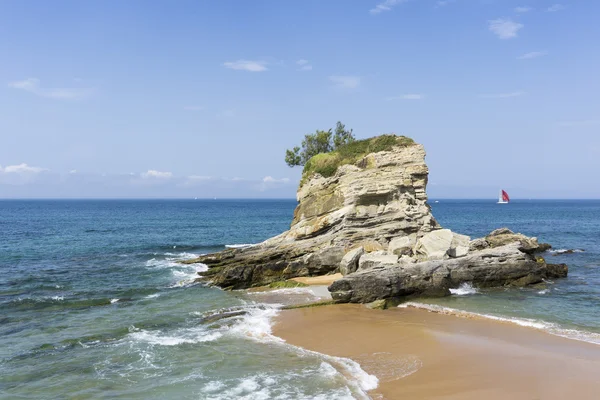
318	280
421	355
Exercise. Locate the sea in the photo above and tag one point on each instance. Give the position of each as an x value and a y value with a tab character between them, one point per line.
94	303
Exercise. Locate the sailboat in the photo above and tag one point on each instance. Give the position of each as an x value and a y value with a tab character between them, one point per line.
503	197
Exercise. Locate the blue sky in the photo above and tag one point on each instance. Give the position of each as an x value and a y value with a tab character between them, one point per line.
201	98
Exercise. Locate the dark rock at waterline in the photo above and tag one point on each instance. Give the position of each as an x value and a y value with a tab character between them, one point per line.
557	270
501	266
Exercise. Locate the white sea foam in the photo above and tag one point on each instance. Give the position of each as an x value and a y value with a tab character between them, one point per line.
464	289
113	301
192	335
187	274
256	325
58	298
239	246
563	251
545	291
548	327
184	274
153	296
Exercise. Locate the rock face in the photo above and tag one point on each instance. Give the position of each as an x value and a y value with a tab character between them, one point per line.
371	222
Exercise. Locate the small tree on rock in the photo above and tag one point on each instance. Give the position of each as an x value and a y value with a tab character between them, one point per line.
318	142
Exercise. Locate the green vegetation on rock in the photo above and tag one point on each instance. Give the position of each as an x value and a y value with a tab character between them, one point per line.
286	284
326	164
309	305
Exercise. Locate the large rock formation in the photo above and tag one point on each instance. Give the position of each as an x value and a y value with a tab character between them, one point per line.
370	220
367	204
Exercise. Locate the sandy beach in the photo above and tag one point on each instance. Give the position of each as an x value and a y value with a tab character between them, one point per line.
417	354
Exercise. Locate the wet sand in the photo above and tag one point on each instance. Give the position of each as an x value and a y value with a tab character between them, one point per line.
422	355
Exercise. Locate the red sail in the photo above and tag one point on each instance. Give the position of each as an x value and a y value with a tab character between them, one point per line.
505	196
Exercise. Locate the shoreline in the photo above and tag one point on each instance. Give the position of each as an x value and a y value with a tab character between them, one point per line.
427	355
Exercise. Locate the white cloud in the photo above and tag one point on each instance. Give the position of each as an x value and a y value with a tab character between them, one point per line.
193	108
32	85
503	95
21	169
555	8
20	174
504	28
522	9
153	174
410	96
533	54
304	65
73	171
345	81
247	65
270	179
385	5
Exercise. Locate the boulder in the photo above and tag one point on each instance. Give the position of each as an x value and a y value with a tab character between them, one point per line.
459	246
478	244
349	262
377	258
402	245
434	245
557	270
324	261
504	236
377	305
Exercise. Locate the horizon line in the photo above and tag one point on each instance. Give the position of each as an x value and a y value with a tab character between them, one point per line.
276	198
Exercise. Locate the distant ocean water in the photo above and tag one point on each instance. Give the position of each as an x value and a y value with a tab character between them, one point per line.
94	304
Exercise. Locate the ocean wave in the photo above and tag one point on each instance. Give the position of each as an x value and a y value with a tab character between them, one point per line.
464	289
253	321
53	302
184	274
257	325
565	251
182	336
271	386
187	275
240	246
170	260
552	328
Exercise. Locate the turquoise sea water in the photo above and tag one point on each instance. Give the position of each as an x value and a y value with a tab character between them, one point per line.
94	304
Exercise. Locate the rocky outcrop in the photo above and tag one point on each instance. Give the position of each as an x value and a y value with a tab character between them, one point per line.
366	204
370	221
501	266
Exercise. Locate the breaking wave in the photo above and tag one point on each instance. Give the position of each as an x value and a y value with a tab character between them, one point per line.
464	289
